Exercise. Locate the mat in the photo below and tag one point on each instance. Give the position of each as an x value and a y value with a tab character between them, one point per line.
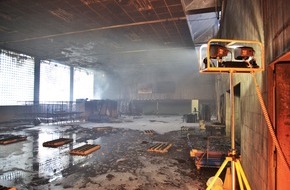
85	149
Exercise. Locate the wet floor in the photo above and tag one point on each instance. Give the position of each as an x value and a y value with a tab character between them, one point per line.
122	163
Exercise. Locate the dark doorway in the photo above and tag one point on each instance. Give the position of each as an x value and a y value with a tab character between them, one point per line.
238	125
222	110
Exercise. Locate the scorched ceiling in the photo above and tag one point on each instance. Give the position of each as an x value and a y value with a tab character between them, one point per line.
116	36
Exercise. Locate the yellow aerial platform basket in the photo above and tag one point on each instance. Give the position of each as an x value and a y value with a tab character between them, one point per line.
225	55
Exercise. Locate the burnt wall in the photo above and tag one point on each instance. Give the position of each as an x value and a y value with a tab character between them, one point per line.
277	28
277	37
164	107
8	113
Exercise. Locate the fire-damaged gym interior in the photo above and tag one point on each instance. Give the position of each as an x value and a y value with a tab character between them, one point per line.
144	94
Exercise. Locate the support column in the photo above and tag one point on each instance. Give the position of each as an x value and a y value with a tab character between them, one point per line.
36	80
233	147
71	93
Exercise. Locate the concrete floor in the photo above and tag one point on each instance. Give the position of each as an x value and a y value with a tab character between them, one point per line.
122	163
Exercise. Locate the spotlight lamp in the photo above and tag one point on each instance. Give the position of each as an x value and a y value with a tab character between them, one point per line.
247	54
218	51
243	53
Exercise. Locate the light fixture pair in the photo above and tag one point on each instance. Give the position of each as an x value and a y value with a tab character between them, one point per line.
222	55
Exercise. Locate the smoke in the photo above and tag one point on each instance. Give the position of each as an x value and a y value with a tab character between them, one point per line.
101	84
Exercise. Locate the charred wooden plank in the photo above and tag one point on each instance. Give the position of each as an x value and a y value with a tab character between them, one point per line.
149	132
154	147
165	148
160	147
57	142
7	188
104	129
12	139
85	149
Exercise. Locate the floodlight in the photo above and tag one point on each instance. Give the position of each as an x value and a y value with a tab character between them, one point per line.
242	53
230	55
218	51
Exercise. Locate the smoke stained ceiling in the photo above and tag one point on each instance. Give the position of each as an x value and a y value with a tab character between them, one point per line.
120	37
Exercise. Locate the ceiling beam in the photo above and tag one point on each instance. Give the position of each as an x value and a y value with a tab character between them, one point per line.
201	6
97	29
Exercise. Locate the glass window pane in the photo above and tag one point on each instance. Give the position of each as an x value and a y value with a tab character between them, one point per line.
54	82
16	78
83	84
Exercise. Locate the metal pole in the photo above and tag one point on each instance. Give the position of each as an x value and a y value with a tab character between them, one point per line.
233	151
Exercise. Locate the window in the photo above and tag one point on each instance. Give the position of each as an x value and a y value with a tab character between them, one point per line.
16	78
54	82
83	84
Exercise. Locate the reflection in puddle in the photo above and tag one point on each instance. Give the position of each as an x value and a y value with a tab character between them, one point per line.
10	178
95	141
55	177
27	161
